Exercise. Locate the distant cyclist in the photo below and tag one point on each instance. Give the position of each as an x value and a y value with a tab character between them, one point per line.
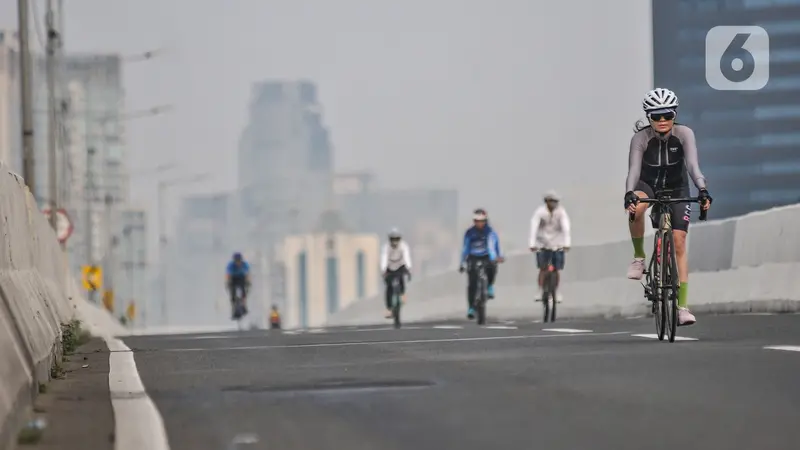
395	263
550	237
661	155
480	243
237	276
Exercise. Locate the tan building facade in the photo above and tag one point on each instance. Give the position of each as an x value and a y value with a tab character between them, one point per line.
325	272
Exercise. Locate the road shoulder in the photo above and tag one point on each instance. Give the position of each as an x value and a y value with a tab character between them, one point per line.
76	405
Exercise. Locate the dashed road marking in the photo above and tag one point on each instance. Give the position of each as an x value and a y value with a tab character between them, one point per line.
412	341
788	348
500	327
448	327
566	330
655	336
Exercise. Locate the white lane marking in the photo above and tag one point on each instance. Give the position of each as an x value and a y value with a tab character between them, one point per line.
566	330
655	336
788	348
206	337
415	341
137	422
245	439
500	327
448	327
317	330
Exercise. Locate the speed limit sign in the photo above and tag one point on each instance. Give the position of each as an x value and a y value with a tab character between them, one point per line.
64	226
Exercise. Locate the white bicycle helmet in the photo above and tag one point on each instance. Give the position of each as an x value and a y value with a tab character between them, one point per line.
394	233
659	98
551	195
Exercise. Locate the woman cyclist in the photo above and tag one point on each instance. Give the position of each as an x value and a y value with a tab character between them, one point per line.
661	155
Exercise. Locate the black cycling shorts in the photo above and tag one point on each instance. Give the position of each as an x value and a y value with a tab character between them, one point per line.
681	213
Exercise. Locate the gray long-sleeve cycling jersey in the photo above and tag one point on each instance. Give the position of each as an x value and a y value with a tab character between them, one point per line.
663	163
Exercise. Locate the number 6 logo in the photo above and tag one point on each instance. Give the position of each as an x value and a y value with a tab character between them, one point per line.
737	58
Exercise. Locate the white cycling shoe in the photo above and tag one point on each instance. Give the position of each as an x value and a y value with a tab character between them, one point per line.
685	317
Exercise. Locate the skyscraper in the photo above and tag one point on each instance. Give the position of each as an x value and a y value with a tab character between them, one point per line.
285	157
749	141
285	163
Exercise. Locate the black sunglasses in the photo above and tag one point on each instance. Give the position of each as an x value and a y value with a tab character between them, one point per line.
656	117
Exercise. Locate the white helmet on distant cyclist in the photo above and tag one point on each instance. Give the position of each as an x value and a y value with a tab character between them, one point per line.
552	196
659	98
394	233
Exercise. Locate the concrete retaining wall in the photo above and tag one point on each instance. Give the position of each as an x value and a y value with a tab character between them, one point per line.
36	297
744	264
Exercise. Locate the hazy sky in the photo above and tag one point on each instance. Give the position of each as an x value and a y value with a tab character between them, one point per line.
500	99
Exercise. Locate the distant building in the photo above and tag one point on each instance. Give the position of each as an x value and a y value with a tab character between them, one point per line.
428	218
92	98
326	270
749	141
285	166
196	259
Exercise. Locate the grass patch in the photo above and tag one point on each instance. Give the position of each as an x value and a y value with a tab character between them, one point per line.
30	435
57	372
73	336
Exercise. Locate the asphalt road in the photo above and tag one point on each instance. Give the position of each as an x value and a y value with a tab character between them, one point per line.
518	387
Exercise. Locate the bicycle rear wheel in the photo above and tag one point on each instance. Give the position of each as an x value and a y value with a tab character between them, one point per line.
671	285
553	297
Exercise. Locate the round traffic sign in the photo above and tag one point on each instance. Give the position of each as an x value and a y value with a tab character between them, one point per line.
64	226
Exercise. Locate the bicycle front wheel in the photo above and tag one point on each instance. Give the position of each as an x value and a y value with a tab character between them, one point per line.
671	283
553	297
480	302
656	283
396	310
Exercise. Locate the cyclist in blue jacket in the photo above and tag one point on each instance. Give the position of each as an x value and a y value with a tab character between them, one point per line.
480	242
237	276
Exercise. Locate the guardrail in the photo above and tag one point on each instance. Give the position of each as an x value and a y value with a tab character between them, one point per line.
36	297
744	264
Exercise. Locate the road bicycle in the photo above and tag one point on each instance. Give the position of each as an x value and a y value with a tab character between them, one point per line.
549	288
662	281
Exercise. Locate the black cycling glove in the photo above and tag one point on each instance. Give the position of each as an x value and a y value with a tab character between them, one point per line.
704	196
631	199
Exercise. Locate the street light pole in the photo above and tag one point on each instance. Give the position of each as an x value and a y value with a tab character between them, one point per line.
50	63
26	97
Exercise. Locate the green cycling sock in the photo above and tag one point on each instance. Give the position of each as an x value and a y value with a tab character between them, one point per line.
638	247
683	295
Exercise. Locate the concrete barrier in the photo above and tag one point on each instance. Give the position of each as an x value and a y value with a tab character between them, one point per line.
744	264
36	297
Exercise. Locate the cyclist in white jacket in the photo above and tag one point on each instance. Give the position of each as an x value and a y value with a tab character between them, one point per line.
550	237
395	262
